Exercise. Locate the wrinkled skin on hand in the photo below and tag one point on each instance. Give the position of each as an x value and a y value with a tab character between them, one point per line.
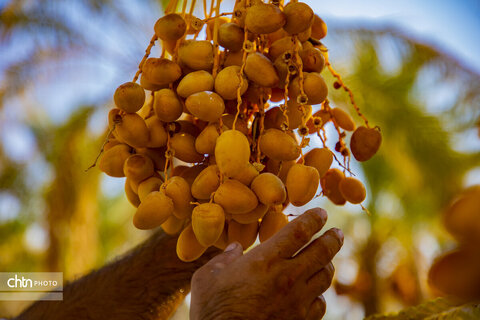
271	281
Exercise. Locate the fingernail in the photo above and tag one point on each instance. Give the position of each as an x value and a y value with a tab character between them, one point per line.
231	246
339	233
321	213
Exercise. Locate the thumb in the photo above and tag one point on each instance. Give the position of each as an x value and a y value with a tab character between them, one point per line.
231	253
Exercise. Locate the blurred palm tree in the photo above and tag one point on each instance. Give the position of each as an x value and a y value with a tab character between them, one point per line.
71	198
48	40
418	166
55	35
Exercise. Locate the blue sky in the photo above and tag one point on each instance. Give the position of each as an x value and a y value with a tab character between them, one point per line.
451	25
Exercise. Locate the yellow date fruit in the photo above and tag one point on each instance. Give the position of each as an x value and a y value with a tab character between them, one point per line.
269	189
313	59
343	119
207	139
132	129
241	125
167	105
279	145
252	216
173	225
319	158
247	174
138	167
206	183
208	220
246	234
191	173
131	195
319	28
170	27
161	71
156	154
260	70
196	81
230	36
227	83
271	223
274	117
233	59
149	185
313	85
365	142
183	145
205	105
154	210
279	168
232	152
147	85
158	134
331	186
264	18
235	197
352	190
129	97
188	247
281	46
302	183
178	189
299	17
113	159
222	241
462	218
196	54
457	273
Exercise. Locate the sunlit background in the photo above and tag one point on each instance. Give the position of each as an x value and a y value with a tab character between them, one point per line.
414	67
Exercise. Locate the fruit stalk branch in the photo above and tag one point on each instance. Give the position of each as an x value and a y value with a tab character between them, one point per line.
242	71
216	56
102	149
147	53
347	89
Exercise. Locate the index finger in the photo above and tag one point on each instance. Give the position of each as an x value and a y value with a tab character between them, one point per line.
296	234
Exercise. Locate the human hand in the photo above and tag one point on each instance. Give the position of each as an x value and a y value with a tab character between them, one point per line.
270	281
